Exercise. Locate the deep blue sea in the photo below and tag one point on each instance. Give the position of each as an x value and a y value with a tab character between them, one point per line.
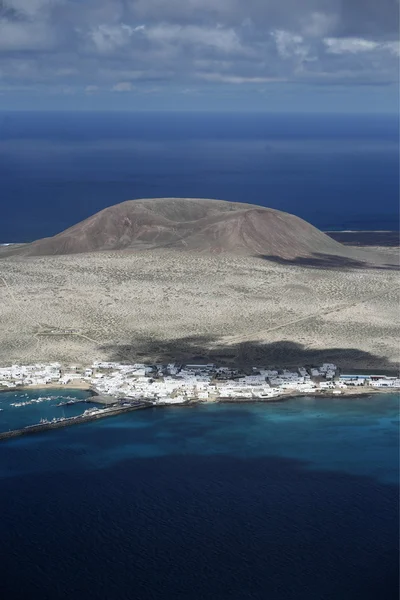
336	171
295	500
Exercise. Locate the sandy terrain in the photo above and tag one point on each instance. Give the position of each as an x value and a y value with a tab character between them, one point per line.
165	305
75	385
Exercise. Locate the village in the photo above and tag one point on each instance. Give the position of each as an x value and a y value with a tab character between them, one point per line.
179	383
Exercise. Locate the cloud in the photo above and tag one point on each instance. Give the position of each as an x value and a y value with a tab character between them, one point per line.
349	45
393	47
109	44
91	89
122	86
64	90
359	45
219	38
16	37
318	24
28	8
368	18
107	38
235	79
290	45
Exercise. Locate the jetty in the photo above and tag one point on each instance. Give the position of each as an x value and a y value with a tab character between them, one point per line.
89	415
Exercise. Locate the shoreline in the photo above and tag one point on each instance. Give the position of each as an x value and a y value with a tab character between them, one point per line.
354	392
323	395
85	386
145	403
80	385
325	230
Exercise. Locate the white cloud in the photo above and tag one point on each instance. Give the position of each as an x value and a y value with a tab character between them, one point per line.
91	89
359	45
236	79
318	24
122	86
393	47
218	38
349	45
108	38
294	49
290	44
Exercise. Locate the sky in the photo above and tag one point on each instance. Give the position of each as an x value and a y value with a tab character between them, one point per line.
273	55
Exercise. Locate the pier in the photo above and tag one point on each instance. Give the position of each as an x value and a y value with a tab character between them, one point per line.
86	417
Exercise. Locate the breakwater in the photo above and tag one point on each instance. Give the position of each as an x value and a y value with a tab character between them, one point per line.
77	420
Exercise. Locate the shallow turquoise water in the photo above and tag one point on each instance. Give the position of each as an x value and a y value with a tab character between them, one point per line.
293	500
355	436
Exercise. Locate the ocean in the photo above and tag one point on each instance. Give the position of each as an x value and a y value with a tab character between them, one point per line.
294	500
336	171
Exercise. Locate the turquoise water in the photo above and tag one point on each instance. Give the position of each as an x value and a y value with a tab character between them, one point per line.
354	436
287	501
351	436
15	417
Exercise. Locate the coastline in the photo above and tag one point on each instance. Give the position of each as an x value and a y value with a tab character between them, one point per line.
78	385
345	393
116	409
323	395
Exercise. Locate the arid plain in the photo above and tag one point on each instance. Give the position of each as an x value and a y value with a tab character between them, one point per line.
163	305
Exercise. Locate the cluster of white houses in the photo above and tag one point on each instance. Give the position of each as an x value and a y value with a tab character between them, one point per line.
175	383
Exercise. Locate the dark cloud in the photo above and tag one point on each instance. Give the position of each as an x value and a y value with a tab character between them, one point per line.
117	44
370	18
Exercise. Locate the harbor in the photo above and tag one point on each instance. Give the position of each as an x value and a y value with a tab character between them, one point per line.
125	405
92	414
115	388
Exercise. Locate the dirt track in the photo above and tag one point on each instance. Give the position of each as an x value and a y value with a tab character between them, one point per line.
160	305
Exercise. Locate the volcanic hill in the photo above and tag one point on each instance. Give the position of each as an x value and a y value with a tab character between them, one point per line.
201	225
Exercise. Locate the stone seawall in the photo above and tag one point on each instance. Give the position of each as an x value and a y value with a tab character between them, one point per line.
39	428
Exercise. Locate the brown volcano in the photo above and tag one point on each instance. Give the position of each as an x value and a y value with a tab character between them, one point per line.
191	224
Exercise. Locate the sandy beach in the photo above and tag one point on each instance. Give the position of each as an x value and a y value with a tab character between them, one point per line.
78	385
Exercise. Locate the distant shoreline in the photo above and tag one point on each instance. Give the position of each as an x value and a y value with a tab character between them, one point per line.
360	237
370	237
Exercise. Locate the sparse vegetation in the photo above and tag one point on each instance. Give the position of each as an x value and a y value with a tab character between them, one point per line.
135	303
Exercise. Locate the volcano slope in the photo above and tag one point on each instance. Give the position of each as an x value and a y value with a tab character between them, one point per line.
176	279
201	225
